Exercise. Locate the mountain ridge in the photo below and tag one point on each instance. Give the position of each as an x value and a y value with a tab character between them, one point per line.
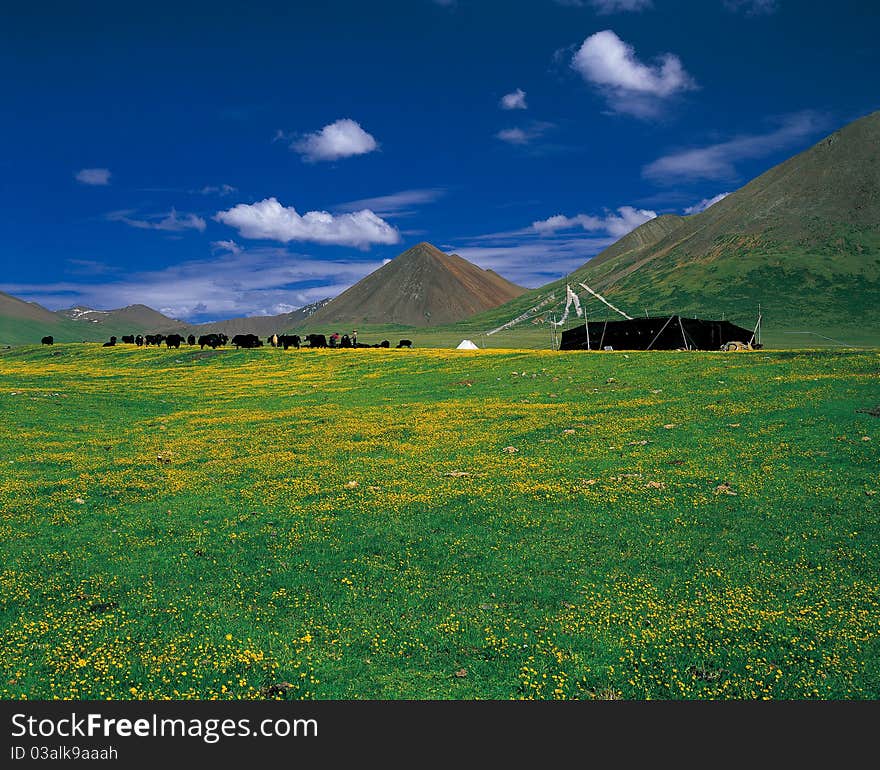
420	287
801	240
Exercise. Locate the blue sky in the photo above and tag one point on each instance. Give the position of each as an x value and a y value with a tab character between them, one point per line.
214	160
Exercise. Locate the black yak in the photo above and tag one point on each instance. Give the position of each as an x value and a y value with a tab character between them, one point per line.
128	339
247	341
109	344
191	340
211	340
288	340
404	344
317	340
173	340
50	340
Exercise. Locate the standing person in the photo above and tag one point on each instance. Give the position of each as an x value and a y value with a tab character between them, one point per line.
354	338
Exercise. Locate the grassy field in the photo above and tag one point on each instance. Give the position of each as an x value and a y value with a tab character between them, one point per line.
438	524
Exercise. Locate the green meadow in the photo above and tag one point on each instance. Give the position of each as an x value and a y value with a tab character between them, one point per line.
439	524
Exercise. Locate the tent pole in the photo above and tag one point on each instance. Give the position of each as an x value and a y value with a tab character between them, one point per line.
660	332
683	335
587	327
602	339
757	330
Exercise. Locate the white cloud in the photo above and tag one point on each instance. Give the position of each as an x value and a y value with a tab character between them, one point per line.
513	136
516	100
526	135
718	161
551	248
93	176
629	85
616	225
752	7
89	267
395	204
705	203
269	220
231	246
221	190
619	6
604	7
170	222
260	281
341	139
533	264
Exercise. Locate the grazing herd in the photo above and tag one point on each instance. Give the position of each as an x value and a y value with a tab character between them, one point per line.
215	341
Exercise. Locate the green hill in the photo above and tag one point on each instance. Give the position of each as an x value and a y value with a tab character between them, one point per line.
27	322
802	241
23	323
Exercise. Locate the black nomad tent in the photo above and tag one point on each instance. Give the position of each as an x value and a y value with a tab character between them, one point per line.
663	333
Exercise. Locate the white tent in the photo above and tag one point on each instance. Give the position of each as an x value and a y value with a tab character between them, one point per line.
466	345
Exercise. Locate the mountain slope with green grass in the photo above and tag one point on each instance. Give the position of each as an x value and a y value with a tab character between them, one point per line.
802	241
27	322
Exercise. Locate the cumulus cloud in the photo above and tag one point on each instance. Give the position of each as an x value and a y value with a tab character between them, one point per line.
617	225
629	85
341	139
396	204
525	135
718	161
269	220
93	176
705	203
752	7
170	222
516	100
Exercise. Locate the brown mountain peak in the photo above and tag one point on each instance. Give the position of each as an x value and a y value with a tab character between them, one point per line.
421	286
